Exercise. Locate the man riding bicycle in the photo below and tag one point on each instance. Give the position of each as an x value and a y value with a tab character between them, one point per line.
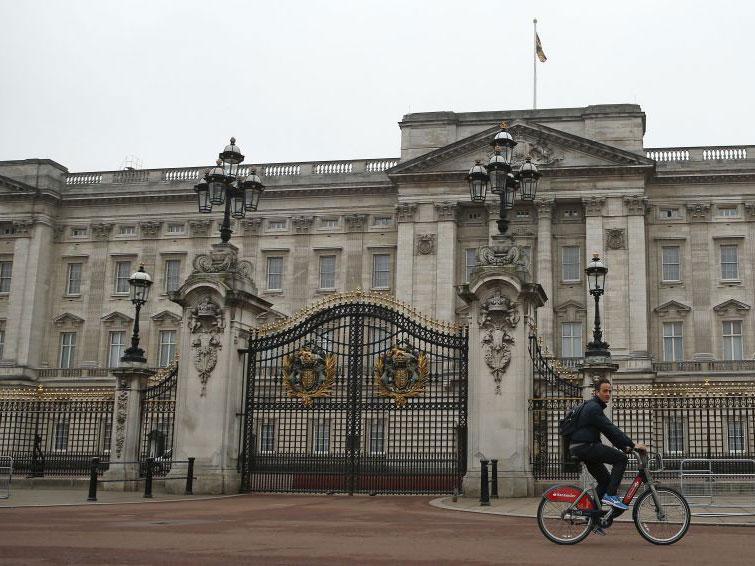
586	446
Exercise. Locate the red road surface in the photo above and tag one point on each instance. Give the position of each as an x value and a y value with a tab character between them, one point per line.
271	529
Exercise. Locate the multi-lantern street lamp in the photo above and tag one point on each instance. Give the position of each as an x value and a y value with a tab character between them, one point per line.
502	178
596	280
223	184
139	282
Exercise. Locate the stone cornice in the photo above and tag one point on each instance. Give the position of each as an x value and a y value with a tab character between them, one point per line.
703	178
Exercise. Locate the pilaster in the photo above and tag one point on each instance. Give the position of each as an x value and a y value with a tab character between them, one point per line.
594	244
445	271
545	269
405	217
636	207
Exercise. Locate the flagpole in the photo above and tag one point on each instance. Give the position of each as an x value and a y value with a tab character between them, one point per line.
534	65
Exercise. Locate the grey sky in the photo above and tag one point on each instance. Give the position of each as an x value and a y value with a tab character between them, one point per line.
87	82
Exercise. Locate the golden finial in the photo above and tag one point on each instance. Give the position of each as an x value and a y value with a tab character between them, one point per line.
504	124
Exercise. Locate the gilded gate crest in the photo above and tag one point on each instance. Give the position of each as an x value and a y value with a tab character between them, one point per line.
401	373
309	373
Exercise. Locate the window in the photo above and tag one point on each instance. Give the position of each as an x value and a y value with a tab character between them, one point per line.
671	267
381	271
7	230
674	435
470	263
73	280
172	274
327	272
382	220
127	230
329	223
176	228
6	271
522	214
571	213
728	211
669	213
116	346
729	262
377	437
275	273
321	437
79	232
673	343
736	436
571	340
276	225
2	342
267	437
67	349
166	347
61	435
570	267
732	334
122	274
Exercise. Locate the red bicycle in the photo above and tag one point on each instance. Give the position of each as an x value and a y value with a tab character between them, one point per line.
567	514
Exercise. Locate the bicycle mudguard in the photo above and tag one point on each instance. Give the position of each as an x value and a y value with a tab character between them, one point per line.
569	494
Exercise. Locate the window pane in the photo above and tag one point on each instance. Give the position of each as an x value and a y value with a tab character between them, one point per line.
732	339
377	438
571	340
570	263
672	342
275	273
470	262
122	274
116	348
381	271
61	435
73	285
729	262
67	349
6	271
321	437
167	347
267	437
327	272
2	343
675	435
670	259
172	274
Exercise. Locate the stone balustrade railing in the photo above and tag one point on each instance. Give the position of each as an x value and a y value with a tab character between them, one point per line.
720	153
192	174
75	372
707	366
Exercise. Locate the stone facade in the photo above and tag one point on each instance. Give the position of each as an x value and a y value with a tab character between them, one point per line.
674	226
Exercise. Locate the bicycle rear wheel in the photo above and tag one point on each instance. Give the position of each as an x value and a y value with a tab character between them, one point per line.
559	526
664	525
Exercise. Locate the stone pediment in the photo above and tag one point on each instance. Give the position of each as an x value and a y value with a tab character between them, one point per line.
549	149
731	307
68	319
166	316
570	310
116	317
674	308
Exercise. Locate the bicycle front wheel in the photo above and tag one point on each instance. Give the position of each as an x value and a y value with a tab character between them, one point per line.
664	521
562	526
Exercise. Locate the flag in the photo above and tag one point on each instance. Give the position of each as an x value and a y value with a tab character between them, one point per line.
539	49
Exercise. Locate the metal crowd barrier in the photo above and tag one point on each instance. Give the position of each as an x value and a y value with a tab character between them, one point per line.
705	482
149	469
6	474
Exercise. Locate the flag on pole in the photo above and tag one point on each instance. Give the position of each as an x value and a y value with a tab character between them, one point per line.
539	49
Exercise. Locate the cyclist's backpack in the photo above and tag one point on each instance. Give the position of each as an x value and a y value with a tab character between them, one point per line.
568	425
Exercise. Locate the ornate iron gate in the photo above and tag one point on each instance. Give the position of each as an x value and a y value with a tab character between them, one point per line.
158	410
359	394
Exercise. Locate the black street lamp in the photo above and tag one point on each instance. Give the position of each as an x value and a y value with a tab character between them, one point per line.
500	176
224	185
140	282
596	279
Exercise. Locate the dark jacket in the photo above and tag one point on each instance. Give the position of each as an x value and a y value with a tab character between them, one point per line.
592	421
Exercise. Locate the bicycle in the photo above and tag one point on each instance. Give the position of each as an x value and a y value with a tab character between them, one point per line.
567	514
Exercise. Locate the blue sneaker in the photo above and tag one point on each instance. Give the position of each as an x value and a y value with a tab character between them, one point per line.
599	531
614	501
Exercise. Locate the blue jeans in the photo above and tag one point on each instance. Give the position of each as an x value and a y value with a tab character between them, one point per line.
595	455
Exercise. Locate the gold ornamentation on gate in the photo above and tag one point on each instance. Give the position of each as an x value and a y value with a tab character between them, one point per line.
401	373
309	374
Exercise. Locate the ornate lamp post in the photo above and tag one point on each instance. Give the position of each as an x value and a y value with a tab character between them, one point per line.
596	278
140	282
223	185
502	179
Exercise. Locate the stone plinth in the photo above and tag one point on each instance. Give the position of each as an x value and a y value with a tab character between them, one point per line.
123	473
221	307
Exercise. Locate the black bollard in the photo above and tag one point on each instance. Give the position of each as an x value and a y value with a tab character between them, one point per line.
484	488
93	480
148	478
494	479
190	478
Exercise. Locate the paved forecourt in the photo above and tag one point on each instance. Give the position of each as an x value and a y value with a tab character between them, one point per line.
275	529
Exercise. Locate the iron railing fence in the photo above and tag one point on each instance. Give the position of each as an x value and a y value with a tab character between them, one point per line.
55	432
158	412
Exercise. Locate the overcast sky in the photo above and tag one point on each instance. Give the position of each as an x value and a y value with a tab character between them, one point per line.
87	83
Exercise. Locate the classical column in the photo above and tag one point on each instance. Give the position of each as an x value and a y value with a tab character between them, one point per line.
445	264
700	274
405	215
636	205
594	244
354	250
98	287
301	257
28	300
545	269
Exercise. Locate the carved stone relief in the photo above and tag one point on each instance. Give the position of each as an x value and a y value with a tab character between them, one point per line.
206	321
636	204
615	239
698	210
22	228
594	206
425	244
498	316
251	226
405	211
121	415
150	229
222	260
355	222
446	211
101	231
303	224
200	228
